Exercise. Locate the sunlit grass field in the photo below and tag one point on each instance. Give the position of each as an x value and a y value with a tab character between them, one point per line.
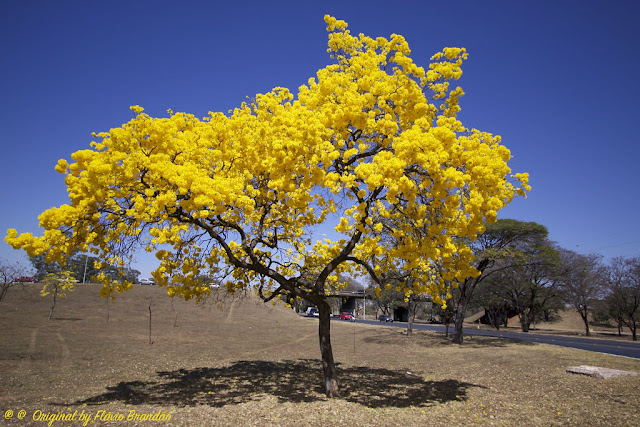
236	361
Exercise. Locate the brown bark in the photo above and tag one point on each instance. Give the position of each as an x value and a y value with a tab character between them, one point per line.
585	319
457	334
410	315
328	365
461	309
55	294
525	322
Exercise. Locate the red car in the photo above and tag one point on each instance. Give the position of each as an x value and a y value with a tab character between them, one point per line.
24	279
345	315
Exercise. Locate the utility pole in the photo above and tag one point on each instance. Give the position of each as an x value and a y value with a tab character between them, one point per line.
364	304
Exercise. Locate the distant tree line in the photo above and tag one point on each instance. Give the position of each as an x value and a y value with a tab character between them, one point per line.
525	275
82	268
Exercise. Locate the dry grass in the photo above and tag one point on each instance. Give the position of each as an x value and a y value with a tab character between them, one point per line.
251	364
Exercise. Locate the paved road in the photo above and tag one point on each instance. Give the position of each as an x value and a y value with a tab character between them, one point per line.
615	347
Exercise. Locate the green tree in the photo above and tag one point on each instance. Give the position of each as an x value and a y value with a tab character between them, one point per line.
447	314
488	295
530	285
386	300
500	241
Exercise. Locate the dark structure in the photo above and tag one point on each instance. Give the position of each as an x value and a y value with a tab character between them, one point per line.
400	314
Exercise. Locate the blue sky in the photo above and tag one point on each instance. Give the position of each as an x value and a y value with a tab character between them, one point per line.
559	80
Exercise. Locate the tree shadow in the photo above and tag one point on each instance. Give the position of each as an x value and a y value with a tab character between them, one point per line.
289	381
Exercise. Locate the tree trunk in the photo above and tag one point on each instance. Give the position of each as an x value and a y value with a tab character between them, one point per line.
55	293
494	319
409	326
410	317
461	309
586	322
525	323
458	324
328	365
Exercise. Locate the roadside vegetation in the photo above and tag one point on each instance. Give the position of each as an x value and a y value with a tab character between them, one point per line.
526	279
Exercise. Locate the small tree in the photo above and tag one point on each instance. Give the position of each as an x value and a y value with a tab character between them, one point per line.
9	272
500	241
57	285
153	291
530	284
495	306
446	312
623	287
581	282
611	309
385	300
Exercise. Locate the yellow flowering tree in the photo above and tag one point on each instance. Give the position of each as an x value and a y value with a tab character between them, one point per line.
57	285
373	139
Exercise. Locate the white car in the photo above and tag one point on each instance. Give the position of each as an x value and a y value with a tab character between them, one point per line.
144	281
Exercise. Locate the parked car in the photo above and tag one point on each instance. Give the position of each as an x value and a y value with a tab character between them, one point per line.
385	318
312	312
25	279
346	315
145	281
